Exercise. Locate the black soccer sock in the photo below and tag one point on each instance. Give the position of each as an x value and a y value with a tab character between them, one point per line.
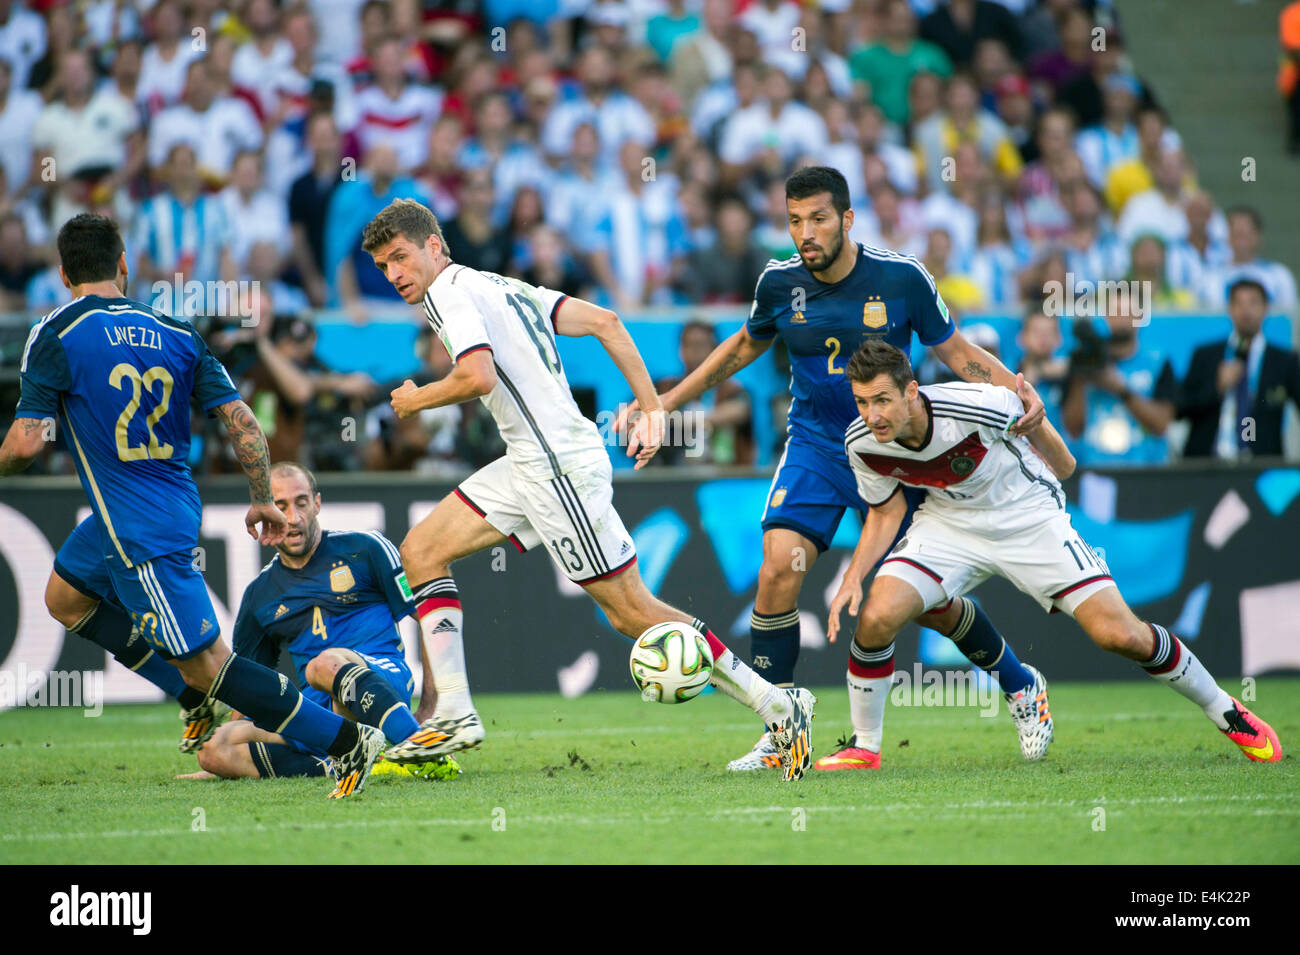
277	761
373	701
271	701
774	645
108	626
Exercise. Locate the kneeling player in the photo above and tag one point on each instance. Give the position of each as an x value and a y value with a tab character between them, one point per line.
332	599
993	508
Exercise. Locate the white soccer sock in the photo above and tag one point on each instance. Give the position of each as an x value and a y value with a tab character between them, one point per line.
441	618
1178	667
732	676
868	693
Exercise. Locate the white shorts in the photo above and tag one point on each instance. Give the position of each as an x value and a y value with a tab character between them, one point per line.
1049	562
572	516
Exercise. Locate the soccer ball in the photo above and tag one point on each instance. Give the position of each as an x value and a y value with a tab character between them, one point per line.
671	663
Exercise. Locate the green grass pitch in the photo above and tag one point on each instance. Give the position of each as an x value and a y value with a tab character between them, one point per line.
607	778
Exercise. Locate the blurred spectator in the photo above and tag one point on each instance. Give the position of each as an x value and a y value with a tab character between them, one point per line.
286	376
309	201
525	215
342	42
549	263
874	139
957	210
394	111
293	84
442	174
1016	110
348	268
422	441
84	134
618	118
959	291
1288	80
216	127
1041	362
1132	176
1190	258
698	215
727	271
1245	235
181	230
703	57
641	242
19	264
264	267
22	39
253	213
720	421
892	223
1085	93
259	63
513	163
163	68
772	22
772	235
1237	389
472	238
932	371
958	25
962	121
1120	398
1093	253
1039	204
843	152
61	28
771	134
1115	139
1069	55
19	111
578	199
924	99
1147	264
996	263
888	66
1159	209
664	30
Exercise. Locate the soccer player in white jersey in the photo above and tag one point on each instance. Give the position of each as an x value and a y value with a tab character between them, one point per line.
552	489
993	507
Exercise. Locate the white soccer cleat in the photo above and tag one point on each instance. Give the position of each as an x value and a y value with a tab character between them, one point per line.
352	769
762	756
1032	716
200	723
792	736
438	737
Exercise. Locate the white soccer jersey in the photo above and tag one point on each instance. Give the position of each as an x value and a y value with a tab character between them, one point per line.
545	433
979	477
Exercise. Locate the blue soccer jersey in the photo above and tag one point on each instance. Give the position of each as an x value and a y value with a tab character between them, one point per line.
886	296
350	595
119	377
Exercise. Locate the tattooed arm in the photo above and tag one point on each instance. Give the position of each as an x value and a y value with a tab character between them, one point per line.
972	363
250	448
24	441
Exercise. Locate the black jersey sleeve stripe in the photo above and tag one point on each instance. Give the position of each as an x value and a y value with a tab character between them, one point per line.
473	348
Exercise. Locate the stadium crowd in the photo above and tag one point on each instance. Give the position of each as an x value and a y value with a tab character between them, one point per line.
628	151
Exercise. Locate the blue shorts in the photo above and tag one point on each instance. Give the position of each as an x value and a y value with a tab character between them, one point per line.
391	668
811	490
168	600
81	563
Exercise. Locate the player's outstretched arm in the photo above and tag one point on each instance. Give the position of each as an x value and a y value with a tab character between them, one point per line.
576	318
24	441
1050	446
473	376
972	363
250	449
878	533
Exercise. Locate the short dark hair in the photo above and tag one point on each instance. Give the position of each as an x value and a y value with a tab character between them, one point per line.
699	325
89	247
1250	212
281	467
876	358
404	217
1247	282
814	180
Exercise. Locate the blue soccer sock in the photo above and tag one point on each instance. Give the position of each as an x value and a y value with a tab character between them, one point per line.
277	761
271	701
976	637
108	626
774	645
373	701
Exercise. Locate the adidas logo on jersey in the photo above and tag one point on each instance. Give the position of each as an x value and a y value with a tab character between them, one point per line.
898	472
626	547
444	625
280	611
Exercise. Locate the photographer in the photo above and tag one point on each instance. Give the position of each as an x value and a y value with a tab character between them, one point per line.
1120	398
1237	389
